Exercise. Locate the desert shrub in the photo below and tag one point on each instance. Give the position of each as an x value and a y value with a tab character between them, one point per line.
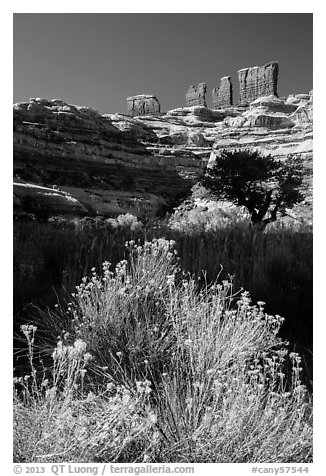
125	221
156	368
122	314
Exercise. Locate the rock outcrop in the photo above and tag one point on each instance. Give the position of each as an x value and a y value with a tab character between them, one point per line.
142	105
195	95
46	201
273	104
270	112
223	95
257	81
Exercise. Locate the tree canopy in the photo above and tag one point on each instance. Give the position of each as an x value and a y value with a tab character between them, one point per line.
266	186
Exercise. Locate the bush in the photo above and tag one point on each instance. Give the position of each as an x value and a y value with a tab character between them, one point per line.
125	222
156	369
208	217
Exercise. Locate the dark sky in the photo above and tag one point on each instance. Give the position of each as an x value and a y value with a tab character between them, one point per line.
99	59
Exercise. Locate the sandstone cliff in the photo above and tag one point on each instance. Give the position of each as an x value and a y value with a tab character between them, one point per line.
72	160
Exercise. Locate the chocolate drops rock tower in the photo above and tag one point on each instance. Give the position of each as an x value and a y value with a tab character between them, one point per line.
195	95
143	104
223	95
257	81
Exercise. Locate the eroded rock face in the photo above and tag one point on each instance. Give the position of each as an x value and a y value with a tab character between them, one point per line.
109	164
223	95
257	81
143	104
195	95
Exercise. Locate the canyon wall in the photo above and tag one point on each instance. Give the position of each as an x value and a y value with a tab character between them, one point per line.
98	164
73	160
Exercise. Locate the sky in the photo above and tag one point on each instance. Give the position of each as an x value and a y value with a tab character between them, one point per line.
99	59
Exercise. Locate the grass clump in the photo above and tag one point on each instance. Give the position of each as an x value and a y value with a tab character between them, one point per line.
155	368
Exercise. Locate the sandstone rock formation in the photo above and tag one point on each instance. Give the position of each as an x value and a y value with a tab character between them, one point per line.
257	81
72	160
195	95
223	95
143	104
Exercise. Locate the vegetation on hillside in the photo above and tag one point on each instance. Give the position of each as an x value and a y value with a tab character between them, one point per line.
274	266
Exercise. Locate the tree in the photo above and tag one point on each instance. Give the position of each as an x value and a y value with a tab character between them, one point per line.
264	185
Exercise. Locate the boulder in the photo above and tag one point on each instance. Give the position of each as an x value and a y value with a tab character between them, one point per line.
230	121
197	139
